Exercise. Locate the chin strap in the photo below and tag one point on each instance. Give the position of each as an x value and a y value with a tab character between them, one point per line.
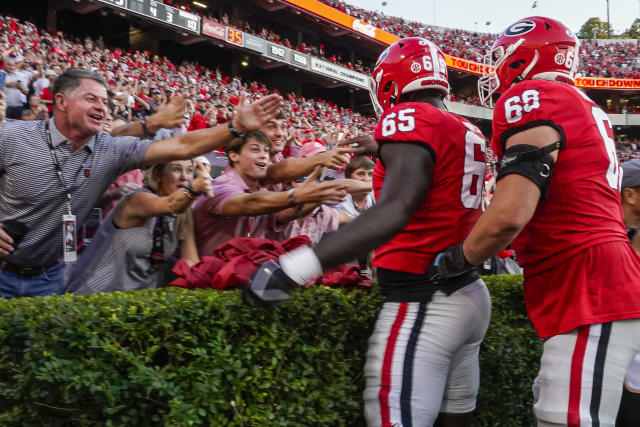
527	70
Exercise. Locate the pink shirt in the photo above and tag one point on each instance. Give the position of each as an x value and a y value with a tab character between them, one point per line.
136	176
323	219
212	228
278	157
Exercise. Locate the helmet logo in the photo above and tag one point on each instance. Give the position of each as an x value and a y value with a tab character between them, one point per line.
422	42
559	58
520	28
416	68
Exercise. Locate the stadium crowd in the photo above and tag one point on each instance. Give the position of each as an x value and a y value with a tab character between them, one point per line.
597	58
141	82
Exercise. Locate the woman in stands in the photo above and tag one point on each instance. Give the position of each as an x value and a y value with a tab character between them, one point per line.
133	247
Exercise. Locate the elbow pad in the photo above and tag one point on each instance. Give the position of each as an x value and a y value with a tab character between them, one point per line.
535	164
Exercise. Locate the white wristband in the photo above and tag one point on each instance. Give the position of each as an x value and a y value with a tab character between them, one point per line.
301	265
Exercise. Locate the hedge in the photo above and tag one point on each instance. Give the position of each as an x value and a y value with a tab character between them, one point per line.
176	357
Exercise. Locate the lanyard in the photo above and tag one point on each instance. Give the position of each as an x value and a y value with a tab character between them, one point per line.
57	167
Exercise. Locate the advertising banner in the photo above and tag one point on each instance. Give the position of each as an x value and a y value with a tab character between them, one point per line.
584	82
277	51
601	83
255	43
341	18
339	73
213	29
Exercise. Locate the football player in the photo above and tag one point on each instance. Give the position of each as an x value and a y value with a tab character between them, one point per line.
423	353
558	196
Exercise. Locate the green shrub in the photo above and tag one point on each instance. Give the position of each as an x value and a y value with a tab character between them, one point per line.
509	358
176	357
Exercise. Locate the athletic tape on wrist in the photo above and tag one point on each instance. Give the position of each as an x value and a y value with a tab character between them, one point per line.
301	265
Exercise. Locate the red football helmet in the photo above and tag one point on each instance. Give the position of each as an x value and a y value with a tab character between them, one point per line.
407	65
532	48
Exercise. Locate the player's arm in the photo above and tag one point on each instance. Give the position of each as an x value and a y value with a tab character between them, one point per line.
398	201
525	169
514	202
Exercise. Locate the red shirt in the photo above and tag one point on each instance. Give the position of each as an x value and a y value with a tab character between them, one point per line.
582	209
46	95
451	207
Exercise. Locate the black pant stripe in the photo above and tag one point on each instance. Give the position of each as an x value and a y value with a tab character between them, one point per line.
407	367
598	373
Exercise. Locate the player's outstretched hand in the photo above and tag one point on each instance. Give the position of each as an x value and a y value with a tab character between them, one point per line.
270	286
449	264
365	145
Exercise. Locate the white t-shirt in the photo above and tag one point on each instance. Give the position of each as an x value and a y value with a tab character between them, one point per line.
349	207
15	98
39	84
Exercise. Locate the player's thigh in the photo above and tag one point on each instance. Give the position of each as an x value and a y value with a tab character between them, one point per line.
391	371
582	372
411	349
463	381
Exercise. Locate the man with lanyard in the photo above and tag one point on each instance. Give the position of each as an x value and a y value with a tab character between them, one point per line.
75	163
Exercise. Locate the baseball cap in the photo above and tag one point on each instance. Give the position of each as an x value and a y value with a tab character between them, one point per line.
203	160
631	174
311	149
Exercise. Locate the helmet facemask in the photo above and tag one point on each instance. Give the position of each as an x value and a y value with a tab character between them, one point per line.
489	83
373	94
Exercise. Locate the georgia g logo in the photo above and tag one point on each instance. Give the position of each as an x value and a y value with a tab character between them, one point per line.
520	28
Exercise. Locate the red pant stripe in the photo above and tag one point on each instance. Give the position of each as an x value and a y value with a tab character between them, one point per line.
575	384
385	381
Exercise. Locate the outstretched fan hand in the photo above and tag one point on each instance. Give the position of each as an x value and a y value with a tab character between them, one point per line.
253	116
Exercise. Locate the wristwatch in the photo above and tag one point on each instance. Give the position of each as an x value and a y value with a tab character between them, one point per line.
145	131
189	191
291	198
234	132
